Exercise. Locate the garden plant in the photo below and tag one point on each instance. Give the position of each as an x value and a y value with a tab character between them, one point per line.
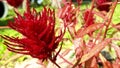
67	36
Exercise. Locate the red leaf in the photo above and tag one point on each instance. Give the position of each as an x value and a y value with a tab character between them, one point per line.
95	50
91	63
89	29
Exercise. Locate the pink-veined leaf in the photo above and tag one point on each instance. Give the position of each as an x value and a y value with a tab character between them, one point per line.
89	29
95	50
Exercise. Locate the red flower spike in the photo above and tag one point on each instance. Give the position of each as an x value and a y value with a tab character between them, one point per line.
102	5
15	3
38	30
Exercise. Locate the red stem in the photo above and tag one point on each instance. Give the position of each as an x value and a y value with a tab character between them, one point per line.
65	59
93	1
54	62
109	21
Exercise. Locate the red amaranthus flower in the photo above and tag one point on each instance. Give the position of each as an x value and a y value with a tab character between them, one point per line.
103	5
40	40
15	3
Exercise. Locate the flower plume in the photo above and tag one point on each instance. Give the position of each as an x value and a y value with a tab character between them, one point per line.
39	37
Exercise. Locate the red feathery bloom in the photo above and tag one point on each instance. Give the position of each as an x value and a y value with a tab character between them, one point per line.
38	30
103	5
15	3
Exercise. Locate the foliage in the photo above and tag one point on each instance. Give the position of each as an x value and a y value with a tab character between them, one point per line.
91	39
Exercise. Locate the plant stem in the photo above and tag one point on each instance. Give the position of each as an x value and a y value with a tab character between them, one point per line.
65	59
109	21
76	63
4	27
54	63
93	1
